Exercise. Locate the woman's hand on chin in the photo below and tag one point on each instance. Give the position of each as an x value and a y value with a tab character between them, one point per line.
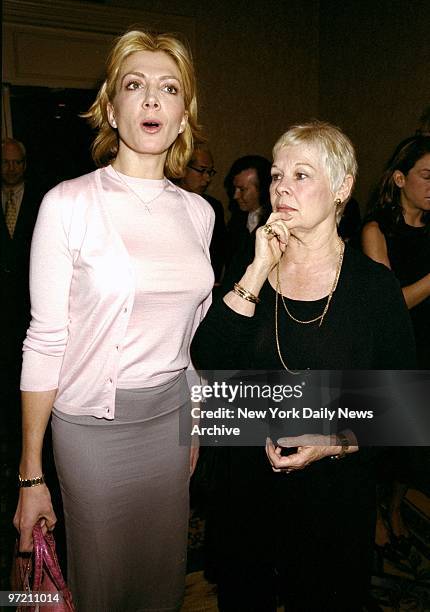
271	241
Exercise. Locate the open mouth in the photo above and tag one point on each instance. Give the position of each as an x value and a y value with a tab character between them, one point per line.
151	126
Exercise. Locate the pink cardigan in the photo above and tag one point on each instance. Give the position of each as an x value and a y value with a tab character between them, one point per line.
82	293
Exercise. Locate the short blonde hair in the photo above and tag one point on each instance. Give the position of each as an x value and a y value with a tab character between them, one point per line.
337	152
105	145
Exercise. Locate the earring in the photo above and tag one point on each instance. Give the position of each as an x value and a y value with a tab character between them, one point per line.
338	201
113	123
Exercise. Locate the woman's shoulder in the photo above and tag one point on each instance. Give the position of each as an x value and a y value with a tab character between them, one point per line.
69	199
363	268
195	201
75	186
371	225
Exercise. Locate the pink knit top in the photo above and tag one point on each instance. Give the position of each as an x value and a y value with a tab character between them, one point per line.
118	288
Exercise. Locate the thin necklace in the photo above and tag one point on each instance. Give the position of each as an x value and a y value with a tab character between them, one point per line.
147	202
277	338
320	317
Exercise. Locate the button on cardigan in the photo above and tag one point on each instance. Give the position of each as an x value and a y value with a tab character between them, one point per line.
82	292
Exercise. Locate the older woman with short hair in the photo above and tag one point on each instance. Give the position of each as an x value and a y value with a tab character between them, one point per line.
120	279
305	301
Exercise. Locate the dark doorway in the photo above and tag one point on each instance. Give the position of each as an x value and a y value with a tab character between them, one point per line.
57	139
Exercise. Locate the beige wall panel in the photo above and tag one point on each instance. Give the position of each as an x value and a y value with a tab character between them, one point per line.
375	76
91	17
58	58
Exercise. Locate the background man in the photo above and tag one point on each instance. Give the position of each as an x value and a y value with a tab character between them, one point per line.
198	176
20	203
247	186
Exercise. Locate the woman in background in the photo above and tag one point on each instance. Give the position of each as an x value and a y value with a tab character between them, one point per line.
397	234
120	279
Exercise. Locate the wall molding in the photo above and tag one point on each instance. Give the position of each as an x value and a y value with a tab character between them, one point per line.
92	17
59	43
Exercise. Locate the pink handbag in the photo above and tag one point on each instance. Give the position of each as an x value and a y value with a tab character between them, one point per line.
39	575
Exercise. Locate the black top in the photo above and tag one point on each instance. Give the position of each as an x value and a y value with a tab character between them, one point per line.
367	326
409	254
264	517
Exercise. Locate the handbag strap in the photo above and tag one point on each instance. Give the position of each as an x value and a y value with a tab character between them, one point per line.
37	556
45	556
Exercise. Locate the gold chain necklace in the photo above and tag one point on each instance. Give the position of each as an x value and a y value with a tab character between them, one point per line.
277	338
320	317
135	192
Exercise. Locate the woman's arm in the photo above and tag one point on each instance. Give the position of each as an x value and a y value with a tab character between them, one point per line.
225	334
269	248
34	503
375	246
50	277
417	292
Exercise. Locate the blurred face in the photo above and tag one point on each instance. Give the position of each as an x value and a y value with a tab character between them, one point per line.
300	187
415	186
12	165
246	191
198	173
148	108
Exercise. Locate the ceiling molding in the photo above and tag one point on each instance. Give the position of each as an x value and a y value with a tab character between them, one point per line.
91	17
64	44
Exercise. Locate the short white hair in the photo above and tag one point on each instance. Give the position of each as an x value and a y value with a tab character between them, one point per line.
337	151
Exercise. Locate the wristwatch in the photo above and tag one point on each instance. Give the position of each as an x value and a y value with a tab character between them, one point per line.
342	441
30	482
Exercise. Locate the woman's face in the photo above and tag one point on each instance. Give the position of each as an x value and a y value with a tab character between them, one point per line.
148	108
415	186
300	187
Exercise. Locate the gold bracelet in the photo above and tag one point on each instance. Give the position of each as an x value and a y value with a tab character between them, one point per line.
30	482
344	443
245	294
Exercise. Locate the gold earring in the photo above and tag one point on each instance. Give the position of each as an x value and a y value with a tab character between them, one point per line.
338	201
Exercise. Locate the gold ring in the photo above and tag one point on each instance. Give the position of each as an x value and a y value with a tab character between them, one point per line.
268	229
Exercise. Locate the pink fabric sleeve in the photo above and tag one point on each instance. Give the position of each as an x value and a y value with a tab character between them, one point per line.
51	270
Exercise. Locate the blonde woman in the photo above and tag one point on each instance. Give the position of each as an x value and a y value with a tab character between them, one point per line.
302	524
120	279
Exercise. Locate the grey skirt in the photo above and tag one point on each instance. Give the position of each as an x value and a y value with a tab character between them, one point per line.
124	485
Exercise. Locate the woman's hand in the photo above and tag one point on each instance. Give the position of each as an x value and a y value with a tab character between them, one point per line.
34	505
271	241
310	448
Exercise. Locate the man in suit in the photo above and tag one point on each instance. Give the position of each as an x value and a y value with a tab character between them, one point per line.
197	178
20	203
247	185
